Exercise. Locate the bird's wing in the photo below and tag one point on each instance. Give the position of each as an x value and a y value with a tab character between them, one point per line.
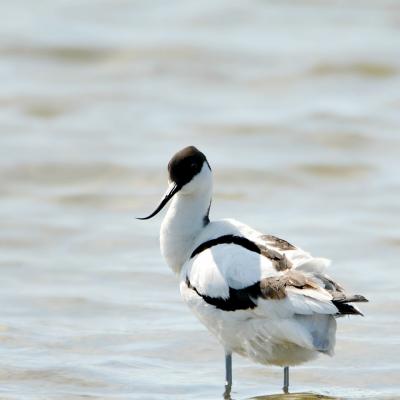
218	270
265	274
312	268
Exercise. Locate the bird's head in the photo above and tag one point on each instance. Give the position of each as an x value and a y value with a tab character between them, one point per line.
189	174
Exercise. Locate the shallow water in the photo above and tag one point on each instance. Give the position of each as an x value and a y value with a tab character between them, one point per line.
295	103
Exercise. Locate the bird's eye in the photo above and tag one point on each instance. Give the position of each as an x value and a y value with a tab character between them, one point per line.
193	165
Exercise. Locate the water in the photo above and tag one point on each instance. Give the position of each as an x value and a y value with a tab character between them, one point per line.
295	103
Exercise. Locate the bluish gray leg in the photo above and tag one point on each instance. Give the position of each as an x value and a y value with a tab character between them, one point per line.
228	375
286	379
228	369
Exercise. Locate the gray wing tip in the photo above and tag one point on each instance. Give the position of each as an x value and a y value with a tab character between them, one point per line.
343	298
358	298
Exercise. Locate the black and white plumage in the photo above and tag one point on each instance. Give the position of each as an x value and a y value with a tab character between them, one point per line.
259	295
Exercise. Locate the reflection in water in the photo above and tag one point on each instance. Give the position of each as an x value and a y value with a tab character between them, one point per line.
227	395
227	392
295	396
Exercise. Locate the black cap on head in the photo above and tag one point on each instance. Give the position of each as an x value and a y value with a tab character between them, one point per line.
184	165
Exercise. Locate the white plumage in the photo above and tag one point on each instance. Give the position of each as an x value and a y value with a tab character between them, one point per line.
259	295
282	332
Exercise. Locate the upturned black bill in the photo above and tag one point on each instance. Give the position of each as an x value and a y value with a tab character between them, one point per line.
172	189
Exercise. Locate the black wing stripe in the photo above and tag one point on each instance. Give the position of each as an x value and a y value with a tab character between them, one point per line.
280	262
227	239
239	299
268	288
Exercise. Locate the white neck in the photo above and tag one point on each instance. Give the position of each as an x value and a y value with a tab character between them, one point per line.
186	217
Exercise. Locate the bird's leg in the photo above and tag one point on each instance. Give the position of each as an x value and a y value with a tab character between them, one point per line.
285	380
228	375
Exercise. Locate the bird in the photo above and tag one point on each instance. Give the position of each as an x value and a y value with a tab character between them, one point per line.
261	296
